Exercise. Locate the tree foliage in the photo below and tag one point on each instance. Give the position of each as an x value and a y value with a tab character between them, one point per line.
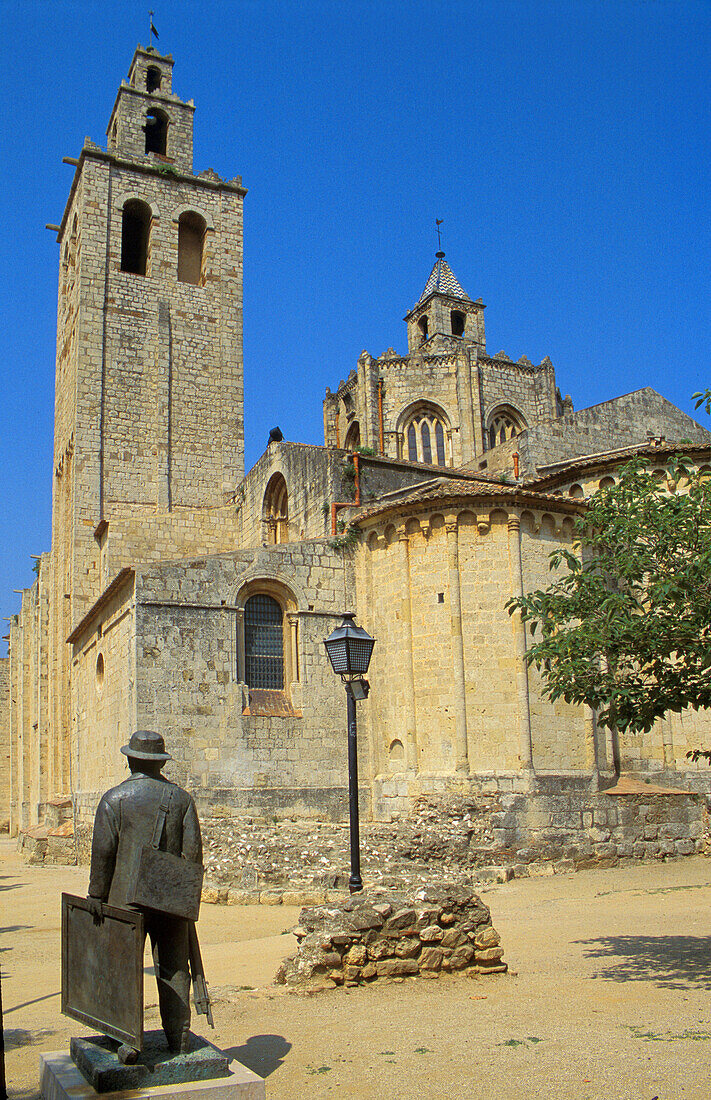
626	625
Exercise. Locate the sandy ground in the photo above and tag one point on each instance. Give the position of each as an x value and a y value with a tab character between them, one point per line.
608	995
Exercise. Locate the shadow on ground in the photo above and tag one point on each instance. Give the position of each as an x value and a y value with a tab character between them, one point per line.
16	1037
12	884
673	962
261	1053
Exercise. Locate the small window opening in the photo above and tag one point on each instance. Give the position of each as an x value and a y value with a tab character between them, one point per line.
440	597
422	324
153	78
426	445
100	670
135	233
458	319
156	131
264	642
396	755
353	437
191	239
439	436
412	443
276	510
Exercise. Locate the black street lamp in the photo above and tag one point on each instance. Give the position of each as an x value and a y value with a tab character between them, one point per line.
349	648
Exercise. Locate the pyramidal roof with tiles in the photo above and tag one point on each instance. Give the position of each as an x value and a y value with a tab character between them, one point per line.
443	280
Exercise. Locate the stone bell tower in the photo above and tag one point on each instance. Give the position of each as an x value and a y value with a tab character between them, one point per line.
149	381
149	432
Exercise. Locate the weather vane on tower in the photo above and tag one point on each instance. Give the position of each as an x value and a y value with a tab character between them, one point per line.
438	222
152	30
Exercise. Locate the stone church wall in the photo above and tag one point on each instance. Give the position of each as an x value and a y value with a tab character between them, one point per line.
561	734
174	646
666	744
4	744
313	480
621	422
104	691
173	390
133	538
528	389
421	708
32	752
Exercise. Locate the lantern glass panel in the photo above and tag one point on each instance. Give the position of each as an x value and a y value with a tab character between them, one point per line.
360	650
338	655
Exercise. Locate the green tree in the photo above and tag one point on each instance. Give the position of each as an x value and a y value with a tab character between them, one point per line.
625	626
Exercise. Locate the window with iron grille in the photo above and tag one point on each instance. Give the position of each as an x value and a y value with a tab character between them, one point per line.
263	642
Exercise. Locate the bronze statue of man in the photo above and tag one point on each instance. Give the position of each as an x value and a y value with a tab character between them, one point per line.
146	807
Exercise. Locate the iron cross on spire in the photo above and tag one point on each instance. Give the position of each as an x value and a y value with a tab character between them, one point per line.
438	222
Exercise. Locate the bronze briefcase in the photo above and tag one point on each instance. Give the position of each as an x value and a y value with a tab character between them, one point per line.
163	881
168	883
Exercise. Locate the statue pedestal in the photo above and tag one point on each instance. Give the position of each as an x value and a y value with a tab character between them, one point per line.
95	1057
61	1080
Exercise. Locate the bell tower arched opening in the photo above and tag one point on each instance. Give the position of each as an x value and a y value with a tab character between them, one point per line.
156	129
191	243
135	236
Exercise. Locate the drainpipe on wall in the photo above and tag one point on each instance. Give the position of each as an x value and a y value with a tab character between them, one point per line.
336	505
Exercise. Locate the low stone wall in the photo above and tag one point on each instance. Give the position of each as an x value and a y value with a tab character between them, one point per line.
462	840
378	933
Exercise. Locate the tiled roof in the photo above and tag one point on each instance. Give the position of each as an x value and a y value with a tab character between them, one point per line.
553	473
448	489
443	279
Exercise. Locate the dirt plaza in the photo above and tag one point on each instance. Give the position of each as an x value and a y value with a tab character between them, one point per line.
607	995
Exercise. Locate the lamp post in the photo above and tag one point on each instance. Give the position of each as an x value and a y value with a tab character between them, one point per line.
349	649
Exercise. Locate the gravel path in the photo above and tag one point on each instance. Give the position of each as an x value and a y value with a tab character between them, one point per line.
608	995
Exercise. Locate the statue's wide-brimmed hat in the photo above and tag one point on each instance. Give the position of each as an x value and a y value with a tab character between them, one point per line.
146	745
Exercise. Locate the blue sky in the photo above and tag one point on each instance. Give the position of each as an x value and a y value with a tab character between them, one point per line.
564	145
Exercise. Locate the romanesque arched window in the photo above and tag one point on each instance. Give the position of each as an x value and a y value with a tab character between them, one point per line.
267	645
135	236
264	642
275	511
191	240
504	423
426	436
